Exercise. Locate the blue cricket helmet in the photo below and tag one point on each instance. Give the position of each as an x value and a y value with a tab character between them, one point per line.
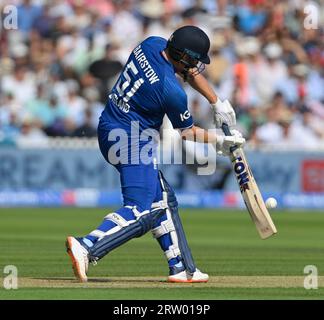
189	40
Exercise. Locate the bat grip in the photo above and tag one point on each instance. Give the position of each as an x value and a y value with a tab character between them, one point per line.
226	129
227	132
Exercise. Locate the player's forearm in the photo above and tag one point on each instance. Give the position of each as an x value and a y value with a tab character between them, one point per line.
223	111
200	83
198	134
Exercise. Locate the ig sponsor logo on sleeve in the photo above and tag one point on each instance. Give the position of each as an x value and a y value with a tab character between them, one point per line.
185	116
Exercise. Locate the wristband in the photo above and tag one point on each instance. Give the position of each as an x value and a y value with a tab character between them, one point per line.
217	105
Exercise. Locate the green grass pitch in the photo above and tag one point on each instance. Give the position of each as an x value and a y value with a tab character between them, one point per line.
225	244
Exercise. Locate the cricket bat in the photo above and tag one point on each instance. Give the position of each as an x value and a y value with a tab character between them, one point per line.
250	192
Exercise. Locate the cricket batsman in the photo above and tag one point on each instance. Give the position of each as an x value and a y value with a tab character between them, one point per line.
147	90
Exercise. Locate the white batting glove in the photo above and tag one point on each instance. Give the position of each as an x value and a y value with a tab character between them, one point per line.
224	143
223	112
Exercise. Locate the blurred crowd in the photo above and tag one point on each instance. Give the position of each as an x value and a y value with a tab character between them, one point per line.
267	58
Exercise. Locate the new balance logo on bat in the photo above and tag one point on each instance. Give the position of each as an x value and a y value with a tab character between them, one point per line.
241	174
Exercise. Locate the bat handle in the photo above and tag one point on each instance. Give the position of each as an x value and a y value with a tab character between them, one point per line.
226	129
227	132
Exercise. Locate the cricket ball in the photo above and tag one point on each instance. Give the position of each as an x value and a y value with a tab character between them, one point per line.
271	203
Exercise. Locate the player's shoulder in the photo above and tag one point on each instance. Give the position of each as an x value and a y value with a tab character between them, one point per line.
155	41
173	89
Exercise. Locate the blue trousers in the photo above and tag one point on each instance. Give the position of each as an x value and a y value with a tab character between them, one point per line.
139	182
140	186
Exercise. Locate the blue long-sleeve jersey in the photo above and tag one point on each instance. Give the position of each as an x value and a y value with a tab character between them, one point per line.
146	90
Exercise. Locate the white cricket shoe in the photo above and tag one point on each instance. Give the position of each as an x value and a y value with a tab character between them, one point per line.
79	257
186	277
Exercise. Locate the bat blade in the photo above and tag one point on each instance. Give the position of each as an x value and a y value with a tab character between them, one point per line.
251	195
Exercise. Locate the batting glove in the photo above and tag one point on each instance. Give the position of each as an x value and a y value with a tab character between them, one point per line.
224	143
223	112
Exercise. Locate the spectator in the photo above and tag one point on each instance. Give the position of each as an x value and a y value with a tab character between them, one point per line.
126	25
86	130
270	71
58	67
44	24
270	131
251	17
302	85
106	69
36	108
20	84
53	116
219	64
76	104
10	131
28	14
31	135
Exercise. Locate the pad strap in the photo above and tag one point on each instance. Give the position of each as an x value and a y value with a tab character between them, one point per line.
137	214
118	219
163	204
173	252
165	227
97	233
